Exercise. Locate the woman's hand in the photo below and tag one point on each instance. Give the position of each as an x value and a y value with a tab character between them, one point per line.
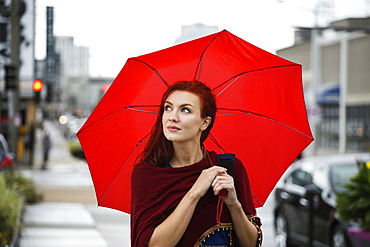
170	231
206	179
224	181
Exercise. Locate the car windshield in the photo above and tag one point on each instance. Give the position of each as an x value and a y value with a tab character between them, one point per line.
341	175
2	151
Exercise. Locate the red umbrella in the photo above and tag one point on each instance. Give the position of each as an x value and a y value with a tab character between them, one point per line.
261	112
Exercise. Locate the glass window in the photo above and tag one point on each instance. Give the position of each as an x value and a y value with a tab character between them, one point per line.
301	177
340	175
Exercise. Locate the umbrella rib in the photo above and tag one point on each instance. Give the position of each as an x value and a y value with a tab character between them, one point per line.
199	66
152	68
258	200
234	78
214	140
132	108
140	142
238	111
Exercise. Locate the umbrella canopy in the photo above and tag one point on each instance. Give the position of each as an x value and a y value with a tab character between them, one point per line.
261	112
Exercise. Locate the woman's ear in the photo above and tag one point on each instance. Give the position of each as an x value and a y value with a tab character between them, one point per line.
206	123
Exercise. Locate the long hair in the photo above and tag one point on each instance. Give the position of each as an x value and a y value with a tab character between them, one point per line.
158	151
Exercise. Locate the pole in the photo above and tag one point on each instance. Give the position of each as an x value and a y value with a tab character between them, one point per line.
13	94
315	76
312	192
343	80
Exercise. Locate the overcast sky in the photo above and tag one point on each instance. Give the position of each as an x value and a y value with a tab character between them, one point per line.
115	30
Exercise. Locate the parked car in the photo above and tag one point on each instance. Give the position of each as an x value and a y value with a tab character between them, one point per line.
6	157
292	206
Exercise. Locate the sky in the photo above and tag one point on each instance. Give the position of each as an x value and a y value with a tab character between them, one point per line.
115	30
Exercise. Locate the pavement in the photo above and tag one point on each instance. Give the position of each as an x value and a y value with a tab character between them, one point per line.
68	215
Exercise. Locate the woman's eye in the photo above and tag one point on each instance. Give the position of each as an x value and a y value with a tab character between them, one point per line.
186	110
167	108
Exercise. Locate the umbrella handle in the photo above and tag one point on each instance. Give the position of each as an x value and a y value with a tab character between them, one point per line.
223	192
220	205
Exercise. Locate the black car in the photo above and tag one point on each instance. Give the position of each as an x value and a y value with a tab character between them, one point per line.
324	175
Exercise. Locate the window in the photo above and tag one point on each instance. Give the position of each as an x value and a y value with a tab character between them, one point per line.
301	177
340	175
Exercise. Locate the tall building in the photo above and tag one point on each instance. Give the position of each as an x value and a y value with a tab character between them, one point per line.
65	71
74	73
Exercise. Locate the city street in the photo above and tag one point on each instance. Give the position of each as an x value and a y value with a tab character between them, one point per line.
293	93
69	213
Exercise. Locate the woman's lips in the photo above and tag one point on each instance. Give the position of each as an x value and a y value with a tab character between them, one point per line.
173	128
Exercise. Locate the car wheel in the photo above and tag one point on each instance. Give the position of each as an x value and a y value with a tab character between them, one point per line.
281	231
338	238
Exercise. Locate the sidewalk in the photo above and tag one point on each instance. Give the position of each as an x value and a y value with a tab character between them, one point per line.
69	215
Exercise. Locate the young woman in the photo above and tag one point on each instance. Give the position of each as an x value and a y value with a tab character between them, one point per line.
177	186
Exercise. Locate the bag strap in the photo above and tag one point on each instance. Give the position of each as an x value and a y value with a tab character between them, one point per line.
227	161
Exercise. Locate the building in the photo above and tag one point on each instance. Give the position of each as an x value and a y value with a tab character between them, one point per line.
18	108
336	75
94	91
65	71
74	74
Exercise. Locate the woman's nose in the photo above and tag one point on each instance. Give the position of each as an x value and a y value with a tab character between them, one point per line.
173	117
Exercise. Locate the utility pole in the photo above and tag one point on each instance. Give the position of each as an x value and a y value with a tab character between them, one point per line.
13	92
315	57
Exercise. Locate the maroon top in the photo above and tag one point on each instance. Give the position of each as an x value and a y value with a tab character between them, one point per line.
156	192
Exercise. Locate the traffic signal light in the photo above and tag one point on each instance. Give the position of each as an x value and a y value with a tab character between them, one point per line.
37	87
105	88
10	76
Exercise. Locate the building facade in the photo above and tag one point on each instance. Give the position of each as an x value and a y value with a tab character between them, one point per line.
17	107
74	74
339	88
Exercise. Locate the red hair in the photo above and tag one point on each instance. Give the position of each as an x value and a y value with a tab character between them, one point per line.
158	151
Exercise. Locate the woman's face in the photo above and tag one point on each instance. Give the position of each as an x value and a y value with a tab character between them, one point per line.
182	121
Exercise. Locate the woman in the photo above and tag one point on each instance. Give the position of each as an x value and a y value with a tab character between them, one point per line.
178	187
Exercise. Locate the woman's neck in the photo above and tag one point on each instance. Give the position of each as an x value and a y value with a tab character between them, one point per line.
186	155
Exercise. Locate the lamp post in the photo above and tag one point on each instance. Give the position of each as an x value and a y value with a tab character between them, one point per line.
343	78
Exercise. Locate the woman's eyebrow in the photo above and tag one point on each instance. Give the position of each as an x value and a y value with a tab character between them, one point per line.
182	105
186	104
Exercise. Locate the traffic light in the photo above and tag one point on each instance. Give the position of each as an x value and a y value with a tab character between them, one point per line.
3	32
10	77
37	87
105	88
